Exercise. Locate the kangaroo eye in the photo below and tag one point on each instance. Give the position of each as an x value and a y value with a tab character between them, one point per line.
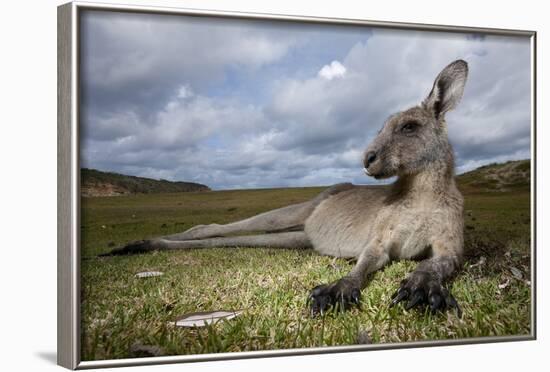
409	127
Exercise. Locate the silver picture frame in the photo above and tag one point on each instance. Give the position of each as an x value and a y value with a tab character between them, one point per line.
68	181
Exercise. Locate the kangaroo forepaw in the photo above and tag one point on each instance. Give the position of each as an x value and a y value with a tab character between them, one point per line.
136	247
421	289
341	294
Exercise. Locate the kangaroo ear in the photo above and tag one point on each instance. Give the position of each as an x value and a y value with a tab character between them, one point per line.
447	89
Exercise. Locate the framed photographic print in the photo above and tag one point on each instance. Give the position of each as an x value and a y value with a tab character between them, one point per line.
237	185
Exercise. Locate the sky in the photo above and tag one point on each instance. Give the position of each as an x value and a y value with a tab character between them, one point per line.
238	104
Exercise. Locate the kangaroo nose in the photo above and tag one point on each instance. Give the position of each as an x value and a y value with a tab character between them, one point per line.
370	157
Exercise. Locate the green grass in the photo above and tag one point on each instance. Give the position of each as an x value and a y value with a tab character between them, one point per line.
120	311
509	176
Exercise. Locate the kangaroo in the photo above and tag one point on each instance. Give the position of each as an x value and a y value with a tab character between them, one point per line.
419	216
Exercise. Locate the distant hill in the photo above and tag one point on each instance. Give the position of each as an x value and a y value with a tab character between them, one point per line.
501	177
509	176
98	183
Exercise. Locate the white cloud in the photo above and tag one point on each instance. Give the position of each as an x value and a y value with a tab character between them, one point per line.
394	70
333	70
184	92
310	129
143	56
112	126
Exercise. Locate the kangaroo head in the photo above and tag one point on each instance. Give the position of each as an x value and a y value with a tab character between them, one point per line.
412	140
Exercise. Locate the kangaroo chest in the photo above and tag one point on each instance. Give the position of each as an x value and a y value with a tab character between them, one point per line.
405	232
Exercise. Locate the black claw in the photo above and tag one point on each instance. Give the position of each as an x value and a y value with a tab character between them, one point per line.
322	304
451	302
318	301
356	296
417	297
316	291
339	295
427	291
435	301
400	295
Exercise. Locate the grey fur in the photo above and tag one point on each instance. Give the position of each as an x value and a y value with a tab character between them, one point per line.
420	215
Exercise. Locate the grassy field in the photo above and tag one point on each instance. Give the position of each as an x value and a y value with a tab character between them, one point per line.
124	316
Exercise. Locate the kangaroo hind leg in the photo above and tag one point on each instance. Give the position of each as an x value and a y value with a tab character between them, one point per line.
290	218
294	239
277	221
201	236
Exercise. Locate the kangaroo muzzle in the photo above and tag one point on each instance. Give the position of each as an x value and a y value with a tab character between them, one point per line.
370	157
